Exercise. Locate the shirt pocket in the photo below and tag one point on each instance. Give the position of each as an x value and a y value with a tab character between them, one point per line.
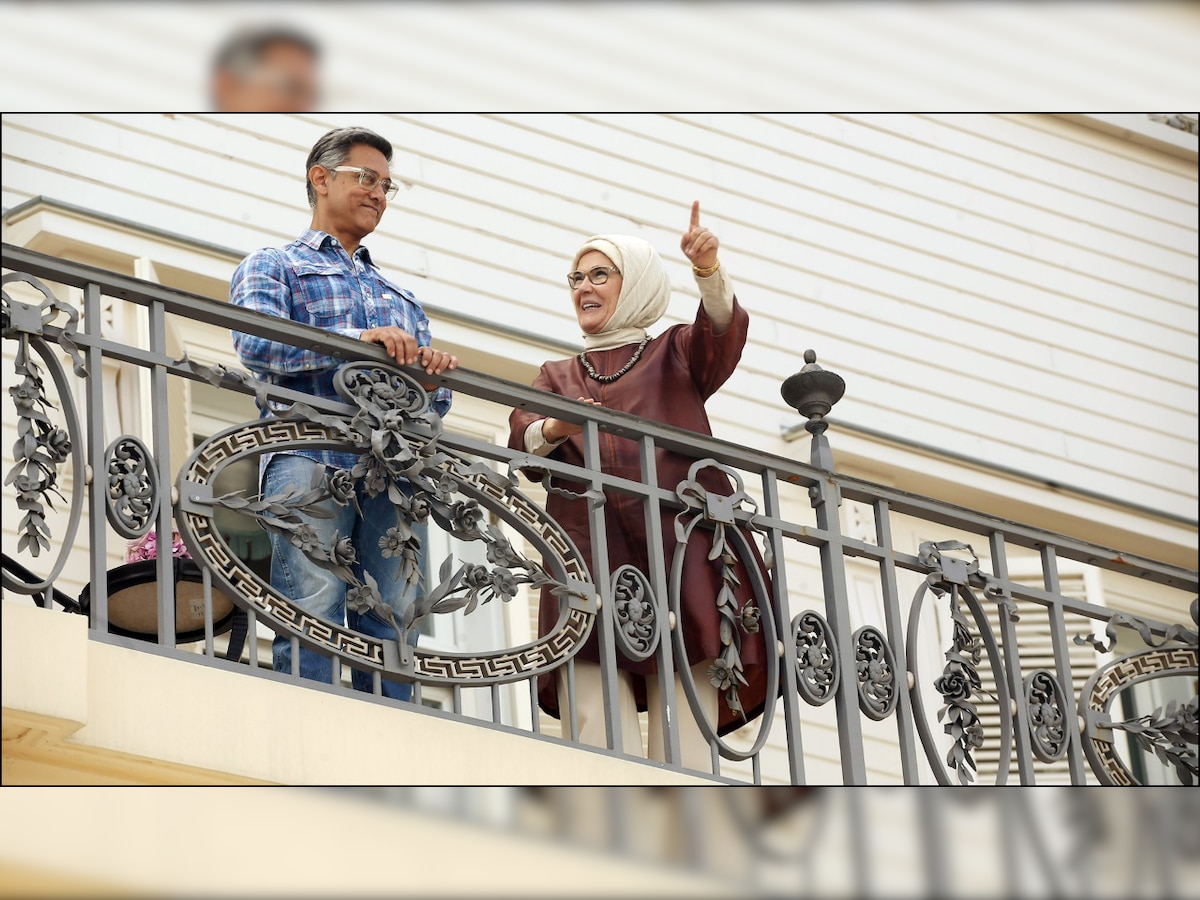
325	295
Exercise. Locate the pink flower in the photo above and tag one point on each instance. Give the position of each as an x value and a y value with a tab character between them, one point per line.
146	547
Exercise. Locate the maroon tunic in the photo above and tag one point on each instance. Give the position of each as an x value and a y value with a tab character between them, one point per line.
677	372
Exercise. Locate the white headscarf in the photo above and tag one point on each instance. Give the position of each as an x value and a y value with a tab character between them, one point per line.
645	289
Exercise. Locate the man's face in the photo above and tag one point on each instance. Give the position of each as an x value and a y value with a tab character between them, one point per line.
283	80
346	203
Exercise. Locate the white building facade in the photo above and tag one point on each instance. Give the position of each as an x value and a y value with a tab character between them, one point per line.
1011	300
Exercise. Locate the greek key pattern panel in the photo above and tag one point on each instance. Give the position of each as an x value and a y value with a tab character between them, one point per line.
1103	688
1137	667
251	438
510	664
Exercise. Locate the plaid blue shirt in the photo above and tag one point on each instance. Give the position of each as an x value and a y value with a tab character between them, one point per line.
312	280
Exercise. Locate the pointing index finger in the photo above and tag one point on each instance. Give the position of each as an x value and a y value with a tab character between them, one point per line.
695	213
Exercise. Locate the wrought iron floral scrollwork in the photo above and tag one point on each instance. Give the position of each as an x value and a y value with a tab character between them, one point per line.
285	514
876	669
958	682
132	495
396	437
947	570
419	481
40	449
41	446
717	510
637	623
817	670
1166	732
732	519
1173	633
1044	699
472	584
34	320
1170	733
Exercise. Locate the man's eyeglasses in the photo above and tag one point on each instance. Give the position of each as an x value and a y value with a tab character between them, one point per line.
597	275
368	178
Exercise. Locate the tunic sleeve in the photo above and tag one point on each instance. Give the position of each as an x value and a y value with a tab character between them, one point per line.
710	357
519	420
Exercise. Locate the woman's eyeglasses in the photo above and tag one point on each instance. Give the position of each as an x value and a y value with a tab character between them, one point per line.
597	275
368	178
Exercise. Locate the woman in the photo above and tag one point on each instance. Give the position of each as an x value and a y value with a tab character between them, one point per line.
619	288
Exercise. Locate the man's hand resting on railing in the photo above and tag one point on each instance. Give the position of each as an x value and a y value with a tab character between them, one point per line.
402	347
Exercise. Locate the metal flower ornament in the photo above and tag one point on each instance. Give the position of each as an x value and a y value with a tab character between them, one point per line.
717	510
959	683
40	449
41	446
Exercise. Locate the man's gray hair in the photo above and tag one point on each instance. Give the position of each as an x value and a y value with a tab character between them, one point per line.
334	149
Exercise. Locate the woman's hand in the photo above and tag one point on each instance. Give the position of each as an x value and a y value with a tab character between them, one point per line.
554	430
698	243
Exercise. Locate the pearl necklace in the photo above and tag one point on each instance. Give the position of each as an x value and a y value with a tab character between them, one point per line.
607	379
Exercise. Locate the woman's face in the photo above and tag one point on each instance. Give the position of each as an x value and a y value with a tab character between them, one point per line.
595	303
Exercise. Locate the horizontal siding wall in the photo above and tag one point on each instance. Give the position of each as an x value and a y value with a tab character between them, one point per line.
747	55
1018	289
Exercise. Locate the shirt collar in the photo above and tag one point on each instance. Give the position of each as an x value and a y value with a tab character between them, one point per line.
318	240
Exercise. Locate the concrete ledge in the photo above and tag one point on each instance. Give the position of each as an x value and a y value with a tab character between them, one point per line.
43	669
106	714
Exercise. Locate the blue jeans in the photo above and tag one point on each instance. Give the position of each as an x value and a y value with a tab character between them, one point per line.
319	591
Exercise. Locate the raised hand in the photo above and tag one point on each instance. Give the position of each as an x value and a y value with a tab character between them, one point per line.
698	243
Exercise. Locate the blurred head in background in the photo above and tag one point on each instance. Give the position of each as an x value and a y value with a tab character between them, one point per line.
270	68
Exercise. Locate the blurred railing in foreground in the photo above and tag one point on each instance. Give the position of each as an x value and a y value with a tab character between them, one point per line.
915	643
857	842
1054	842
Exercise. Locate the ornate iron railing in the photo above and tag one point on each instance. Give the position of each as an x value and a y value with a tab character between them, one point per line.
870	659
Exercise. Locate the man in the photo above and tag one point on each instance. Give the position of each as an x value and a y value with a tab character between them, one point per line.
326	278
272	69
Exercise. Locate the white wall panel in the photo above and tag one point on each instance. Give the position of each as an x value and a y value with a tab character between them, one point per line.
823	188
530	55
885	140
1020	289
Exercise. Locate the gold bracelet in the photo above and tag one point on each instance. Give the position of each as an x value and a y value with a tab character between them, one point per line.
707	270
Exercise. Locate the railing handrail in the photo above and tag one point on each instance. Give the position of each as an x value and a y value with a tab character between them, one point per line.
510	393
